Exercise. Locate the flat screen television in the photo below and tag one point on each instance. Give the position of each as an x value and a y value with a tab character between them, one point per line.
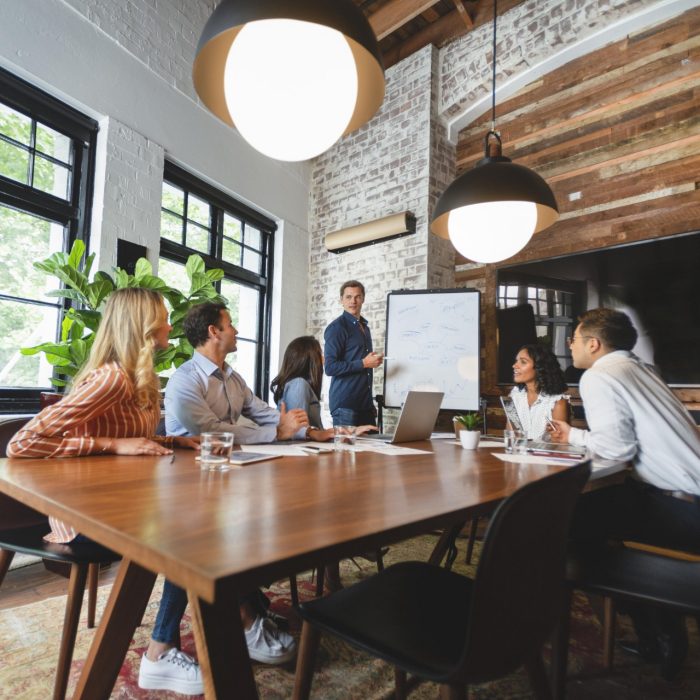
656	282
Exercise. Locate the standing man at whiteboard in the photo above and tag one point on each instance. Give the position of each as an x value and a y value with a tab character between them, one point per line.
350	360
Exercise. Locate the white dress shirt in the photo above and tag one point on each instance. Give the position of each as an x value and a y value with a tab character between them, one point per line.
534	418
633	415
201	398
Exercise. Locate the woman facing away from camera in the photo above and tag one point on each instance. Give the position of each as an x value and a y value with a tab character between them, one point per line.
298	385
113	407
538	394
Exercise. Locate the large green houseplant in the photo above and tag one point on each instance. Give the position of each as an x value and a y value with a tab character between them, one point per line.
84	315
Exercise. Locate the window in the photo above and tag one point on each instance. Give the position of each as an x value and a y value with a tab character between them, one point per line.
46	173
197	218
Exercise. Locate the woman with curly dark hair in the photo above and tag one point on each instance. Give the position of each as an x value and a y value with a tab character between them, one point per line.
539	389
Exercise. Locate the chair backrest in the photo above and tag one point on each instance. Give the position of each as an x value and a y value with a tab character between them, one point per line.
12	513
519	581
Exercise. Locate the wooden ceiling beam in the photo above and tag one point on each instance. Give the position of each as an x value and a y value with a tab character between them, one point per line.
395	14
448	28
466	17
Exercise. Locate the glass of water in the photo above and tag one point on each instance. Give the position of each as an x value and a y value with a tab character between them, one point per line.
215	451
514	442
344	437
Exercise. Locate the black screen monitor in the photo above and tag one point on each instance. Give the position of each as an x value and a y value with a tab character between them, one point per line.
656	282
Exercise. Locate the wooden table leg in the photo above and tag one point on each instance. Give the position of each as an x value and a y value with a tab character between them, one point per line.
221	648
125	607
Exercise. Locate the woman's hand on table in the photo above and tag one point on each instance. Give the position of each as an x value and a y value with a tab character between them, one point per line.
362	429
134	446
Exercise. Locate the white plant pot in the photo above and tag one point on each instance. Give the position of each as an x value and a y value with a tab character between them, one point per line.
469	439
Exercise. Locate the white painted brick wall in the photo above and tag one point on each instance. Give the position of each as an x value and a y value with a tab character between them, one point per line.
127	192
163	34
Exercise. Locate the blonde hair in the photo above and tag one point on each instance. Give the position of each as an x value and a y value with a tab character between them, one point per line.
125	336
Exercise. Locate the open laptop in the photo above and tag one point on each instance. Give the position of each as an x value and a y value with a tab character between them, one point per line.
417	420
536	445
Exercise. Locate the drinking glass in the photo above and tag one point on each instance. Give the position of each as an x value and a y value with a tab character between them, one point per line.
514	441
344	437
215	451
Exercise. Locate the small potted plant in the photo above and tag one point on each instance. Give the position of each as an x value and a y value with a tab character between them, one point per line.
467	429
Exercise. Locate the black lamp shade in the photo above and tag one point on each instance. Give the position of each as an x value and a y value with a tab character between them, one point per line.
496	180
343	15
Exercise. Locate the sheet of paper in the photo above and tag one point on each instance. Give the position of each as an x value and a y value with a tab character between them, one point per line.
482	443
533	459
285	449
386	448
442	436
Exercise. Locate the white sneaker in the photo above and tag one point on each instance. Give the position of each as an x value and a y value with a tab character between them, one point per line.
174	671
268	644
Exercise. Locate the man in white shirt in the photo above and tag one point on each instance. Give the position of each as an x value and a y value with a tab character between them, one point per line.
632	415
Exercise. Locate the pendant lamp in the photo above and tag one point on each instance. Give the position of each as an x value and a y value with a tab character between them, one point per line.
491	211
291	76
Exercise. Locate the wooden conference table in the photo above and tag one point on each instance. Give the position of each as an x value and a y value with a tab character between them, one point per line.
220	534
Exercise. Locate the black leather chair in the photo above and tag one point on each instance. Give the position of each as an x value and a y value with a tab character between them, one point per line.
626	573
440	626
22	530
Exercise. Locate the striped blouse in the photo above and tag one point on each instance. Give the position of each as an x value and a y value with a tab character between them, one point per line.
102	406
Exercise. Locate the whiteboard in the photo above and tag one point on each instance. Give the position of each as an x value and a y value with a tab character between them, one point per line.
432	343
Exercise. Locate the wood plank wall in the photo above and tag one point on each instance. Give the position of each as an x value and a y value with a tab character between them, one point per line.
621	127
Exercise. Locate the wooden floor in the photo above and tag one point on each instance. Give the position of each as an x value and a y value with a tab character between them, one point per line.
34	583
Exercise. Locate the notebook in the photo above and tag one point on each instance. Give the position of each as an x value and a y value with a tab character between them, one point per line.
417	420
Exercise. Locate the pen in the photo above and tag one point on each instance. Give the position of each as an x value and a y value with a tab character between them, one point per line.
388	358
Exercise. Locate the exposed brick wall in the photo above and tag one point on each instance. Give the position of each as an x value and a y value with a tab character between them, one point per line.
163	34
527	34
127	191
381	169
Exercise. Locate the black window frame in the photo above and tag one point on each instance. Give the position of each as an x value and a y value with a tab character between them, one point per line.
221	203
74	213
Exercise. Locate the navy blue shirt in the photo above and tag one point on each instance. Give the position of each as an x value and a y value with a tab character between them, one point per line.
345	347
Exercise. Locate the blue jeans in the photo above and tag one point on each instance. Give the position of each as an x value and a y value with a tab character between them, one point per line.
172	607
346	416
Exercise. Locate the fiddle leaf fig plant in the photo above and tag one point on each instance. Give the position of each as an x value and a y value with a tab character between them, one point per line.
82	318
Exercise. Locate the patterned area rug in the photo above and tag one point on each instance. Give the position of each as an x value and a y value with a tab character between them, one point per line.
29	638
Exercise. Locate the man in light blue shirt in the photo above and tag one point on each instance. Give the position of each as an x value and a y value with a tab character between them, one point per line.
205	394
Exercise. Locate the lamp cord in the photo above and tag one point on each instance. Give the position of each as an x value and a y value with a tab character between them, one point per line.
493	83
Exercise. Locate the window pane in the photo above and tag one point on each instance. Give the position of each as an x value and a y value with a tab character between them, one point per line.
15	125
24	325
231	252
53	144
251	260
252	237
173	198
197	237
51	178
243	303
243	361
23	239
232	228
171	227
14	162
198	210
173	274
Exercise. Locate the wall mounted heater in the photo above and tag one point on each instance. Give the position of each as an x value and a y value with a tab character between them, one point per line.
371	232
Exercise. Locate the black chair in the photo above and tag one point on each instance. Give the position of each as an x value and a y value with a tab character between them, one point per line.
440	626
627	573
22	530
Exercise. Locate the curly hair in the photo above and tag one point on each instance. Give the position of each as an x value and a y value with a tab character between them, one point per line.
549	379
302	358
